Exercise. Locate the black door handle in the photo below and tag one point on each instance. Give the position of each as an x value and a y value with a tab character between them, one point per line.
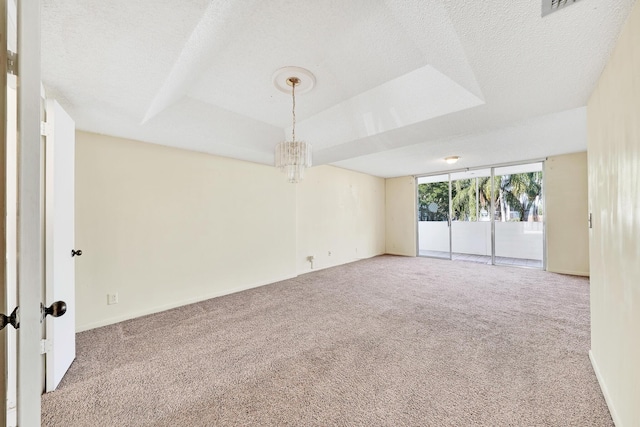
12	319
74	252
57	309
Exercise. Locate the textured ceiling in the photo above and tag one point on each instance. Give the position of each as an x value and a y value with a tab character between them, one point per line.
400	83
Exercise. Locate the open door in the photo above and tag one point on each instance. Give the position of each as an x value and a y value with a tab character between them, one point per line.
6	399
60	254
22	198
20	23
8	129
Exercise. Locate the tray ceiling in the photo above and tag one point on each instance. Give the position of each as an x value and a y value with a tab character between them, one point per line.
390	75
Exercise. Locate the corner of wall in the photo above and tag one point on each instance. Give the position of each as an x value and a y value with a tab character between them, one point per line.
566	214
400	216
340	218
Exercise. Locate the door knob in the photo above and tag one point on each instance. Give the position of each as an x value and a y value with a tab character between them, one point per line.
13	319
57	309
74	252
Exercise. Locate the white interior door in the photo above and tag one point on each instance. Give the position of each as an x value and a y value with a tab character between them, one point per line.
10	187
22	193
21	202
59	214
7	296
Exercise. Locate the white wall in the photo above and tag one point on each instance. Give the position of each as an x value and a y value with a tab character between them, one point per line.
164	227
614	200
341	217
401	210
566	213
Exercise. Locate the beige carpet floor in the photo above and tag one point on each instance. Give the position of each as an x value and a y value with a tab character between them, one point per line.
388	341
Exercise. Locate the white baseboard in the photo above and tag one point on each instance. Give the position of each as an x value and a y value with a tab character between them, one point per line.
158	309
12	417
338	263
605	391
569	272
398	253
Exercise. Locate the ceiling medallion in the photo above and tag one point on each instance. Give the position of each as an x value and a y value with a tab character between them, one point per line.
292	157
306	78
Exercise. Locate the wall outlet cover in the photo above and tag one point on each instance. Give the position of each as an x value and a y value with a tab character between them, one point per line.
112	298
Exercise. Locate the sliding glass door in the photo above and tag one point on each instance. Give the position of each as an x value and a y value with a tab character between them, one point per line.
491	216
434	238
519	214
470	218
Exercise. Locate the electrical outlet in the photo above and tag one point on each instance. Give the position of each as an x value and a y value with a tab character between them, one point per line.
112	298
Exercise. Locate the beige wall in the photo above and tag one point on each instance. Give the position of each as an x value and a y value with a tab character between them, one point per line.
164	227
566	214
339	212
401	221
614	200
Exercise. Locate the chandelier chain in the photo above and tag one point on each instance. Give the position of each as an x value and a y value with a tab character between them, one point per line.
293	157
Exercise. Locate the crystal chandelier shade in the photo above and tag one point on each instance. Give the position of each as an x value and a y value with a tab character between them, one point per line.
292	157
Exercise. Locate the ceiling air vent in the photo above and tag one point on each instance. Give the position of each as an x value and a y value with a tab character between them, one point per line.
550	6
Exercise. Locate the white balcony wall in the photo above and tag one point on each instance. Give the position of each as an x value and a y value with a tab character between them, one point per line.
522	240
471	237
433	236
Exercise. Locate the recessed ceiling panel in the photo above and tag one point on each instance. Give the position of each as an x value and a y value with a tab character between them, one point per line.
351	47
531	139
414	97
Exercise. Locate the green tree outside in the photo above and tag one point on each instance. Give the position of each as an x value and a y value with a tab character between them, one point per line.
517	197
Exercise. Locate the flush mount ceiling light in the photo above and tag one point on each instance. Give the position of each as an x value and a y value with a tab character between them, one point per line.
451	159
292	157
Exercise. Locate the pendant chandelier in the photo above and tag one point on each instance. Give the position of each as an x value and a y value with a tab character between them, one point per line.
292	157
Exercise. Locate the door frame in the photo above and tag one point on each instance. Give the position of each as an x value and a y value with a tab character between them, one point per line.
417	198
493	242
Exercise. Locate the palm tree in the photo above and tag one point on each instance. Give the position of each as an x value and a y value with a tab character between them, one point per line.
518	192
473	195
463	203
521	192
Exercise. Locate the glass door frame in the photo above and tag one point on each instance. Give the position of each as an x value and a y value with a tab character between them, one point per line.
449	211
492	208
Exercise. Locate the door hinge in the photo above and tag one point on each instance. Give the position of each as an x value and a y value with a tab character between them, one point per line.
12	63
45	129
45	346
